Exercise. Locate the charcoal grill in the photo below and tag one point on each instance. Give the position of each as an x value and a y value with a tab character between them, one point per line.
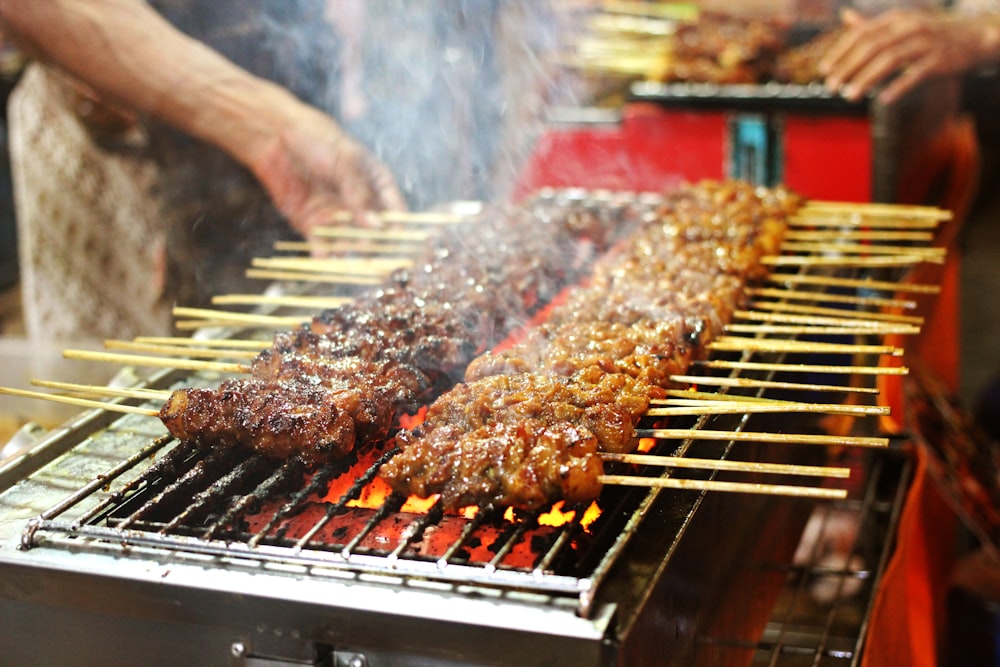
120	545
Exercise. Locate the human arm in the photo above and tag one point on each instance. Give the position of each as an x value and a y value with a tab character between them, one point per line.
903	48
129	54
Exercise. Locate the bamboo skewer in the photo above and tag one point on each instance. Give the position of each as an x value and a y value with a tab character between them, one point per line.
179	350
240	318
732	487
805	368
903	329
871	326
205	342
837	312
80	402
845	249
859	283
797	295
348	266
857	235
754	436
827	220
878	208
349	247
750	383
738	343
302	276
846	261
728	465
751	407
161	362
293	301
94	390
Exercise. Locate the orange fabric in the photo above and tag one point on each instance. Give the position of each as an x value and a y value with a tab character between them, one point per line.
907	617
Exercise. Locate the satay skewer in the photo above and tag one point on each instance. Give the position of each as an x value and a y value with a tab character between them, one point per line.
732	487
205	342
932	254
352	266
849	261
763	436
903	329
869	325
79	402
728	465
95	390
859	283
749	383
801	295
803	368
862	315
240	318
878	209
750	407
857	235
307	277
180	350
350	247
287	300
739	343
160	362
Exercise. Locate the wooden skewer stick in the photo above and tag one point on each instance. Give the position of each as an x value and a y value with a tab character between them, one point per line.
377	234
860	283
822	219
94	390
805	295
879	208
195	325
349	247
869	325
81	402
736	466
687	396
732	487
205	342
862	315
805	368
293	301
932	253
749	383
738	408
857	235
161	362
179	350
302	276
240	318
751	436
738	343
847	260
903	329
350	266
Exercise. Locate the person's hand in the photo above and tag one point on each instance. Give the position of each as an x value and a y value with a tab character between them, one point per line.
901	48
313	171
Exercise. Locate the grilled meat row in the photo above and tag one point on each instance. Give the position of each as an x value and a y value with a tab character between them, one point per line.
528	425
343	379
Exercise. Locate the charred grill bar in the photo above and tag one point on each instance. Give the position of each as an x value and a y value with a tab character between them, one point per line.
187	551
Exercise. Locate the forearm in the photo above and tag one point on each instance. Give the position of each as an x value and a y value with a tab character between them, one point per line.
127	52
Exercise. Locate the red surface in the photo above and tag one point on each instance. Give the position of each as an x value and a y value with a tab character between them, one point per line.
655	147
667	146
828	157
